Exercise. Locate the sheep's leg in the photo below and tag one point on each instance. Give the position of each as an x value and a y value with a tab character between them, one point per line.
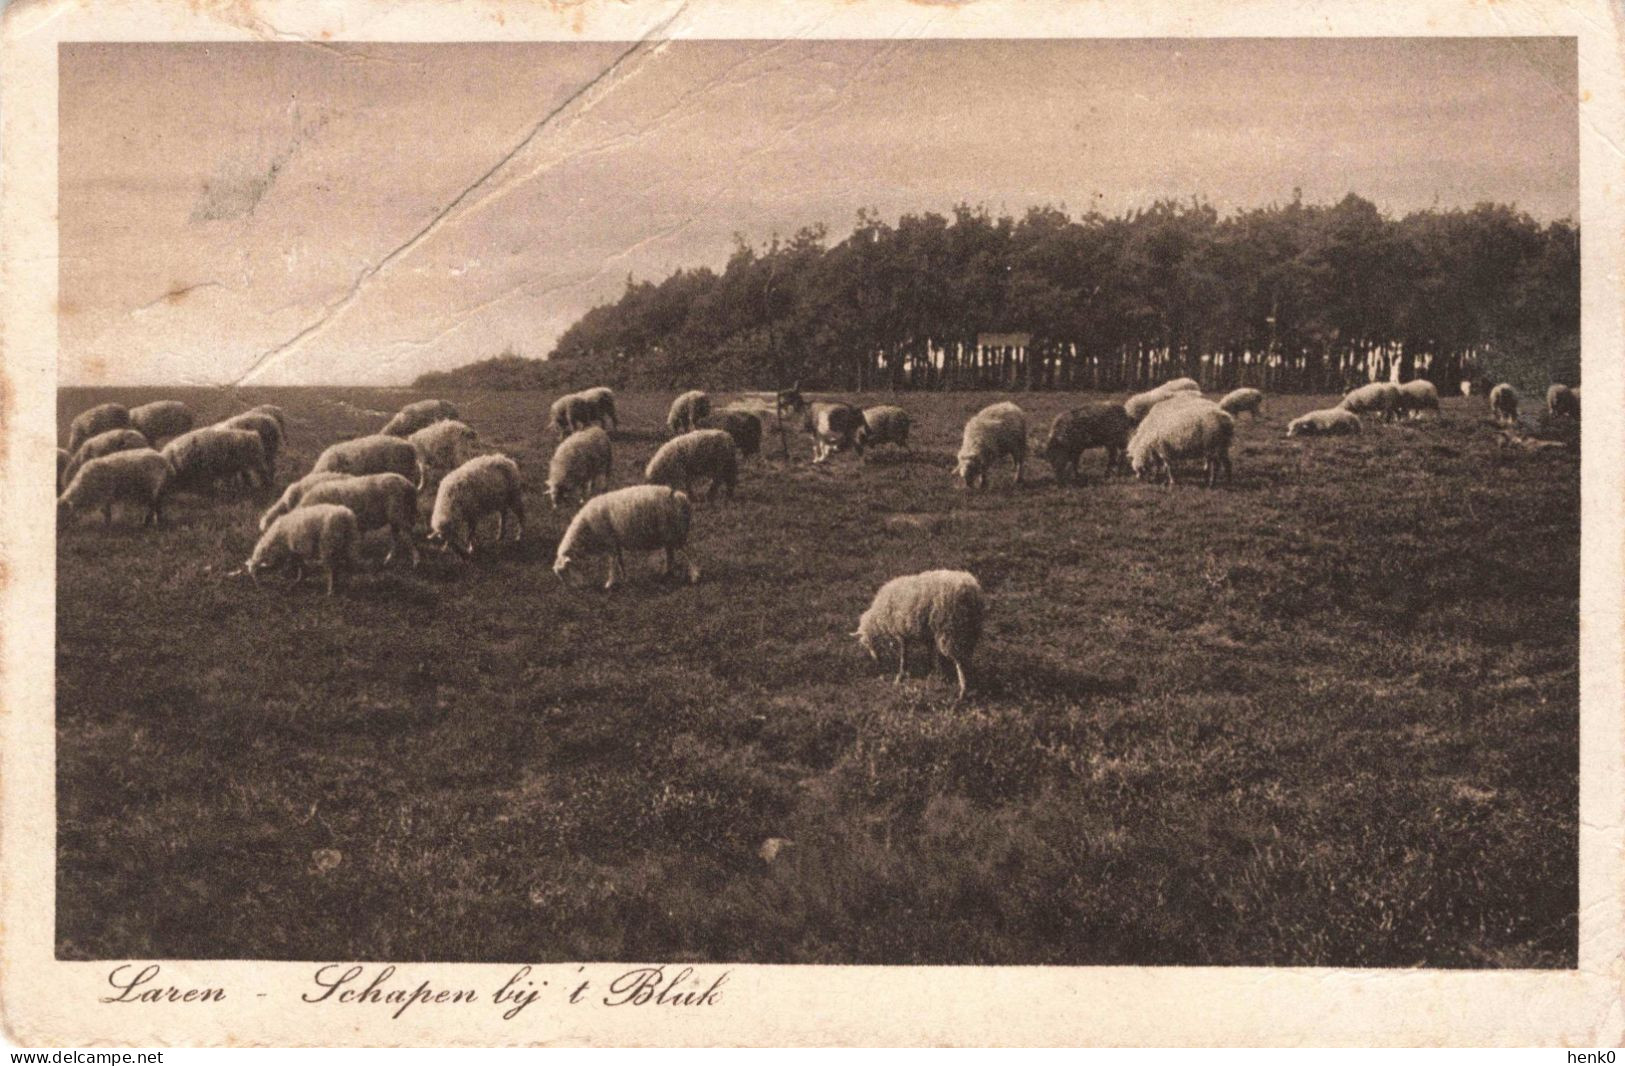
519	519
1019	464
959	668
902	662
614	565
298	571
332	570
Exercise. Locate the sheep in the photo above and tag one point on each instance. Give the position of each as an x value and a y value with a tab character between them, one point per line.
1249	400
98	419
378	501
993	432
1328	422
294	493
274	411
140	476
443	446
635	518
62	460
488	484
1562	400
1183	430
886	424
1380	398
686	411
376	454
835	427
942	608
702	453
744	427
204	456
1504	404
325	534
1417	396
572	412
114	440
162	419
1099	425
603	398
581	464
1137	405
266	426
415	416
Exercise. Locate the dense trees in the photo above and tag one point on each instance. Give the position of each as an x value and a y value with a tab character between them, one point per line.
1293	297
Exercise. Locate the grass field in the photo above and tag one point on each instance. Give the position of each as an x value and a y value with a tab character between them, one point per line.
1327	716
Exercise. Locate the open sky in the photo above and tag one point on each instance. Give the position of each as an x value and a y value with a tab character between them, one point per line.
296	213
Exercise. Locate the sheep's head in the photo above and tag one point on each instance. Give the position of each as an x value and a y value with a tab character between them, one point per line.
554	494
565	567
866	642
437	540
1294	429
969	469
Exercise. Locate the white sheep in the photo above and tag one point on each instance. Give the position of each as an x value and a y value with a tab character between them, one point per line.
204	456
636	518
703	454
325	535
444	446
886	424
1417	396
379	501
1504	404
488	484
603	398
835	427
581	465
98	419
377	454
994	432
944	609
1249	400
1137	405
415	416
274	411
687	410
294	493
574	411
1327	422
162	419
1564	401
114	440
1189	429
262	423
1380	398
141	476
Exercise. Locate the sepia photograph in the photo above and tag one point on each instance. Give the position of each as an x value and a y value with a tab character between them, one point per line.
719	501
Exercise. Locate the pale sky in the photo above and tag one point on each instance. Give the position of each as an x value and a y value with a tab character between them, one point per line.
298	213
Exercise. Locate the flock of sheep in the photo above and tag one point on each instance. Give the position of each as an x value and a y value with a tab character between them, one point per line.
375	482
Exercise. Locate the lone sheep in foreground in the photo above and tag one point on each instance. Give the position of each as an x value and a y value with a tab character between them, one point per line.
379	501
483	486
1194	429
376	454
1562	400
1380	398
1248	400
114	440
994	432
443	446
637	518
886	424
1098	425
580	466
704	454
204	456
1417	396
1138	405
98	419
325	535
744	427
941	608
835	427
140	477
294	493
686	411
270	432
162	419
415	416
1328	422
1504	404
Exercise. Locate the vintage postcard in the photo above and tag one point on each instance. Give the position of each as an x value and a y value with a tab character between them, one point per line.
856	522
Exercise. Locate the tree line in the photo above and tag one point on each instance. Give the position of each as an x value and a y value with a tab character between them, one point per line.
1293	298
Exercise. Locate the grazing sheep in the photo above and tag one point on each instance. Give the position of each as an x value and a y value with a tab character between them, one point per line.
294	493
274	411
270	432
1137	405
1328	422
415	416
162	419
573	412
376	454
744	427
443	446
98	419
1181	431
686	411
581	464
835	427
994	432
603	398
636	518
942	608
62	460
1380	398
485	485
1249	400
1562	400
378	501
1417	396
204	456
1099	425
326	535
886	424
702	454
1504	404
141	476
114	440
